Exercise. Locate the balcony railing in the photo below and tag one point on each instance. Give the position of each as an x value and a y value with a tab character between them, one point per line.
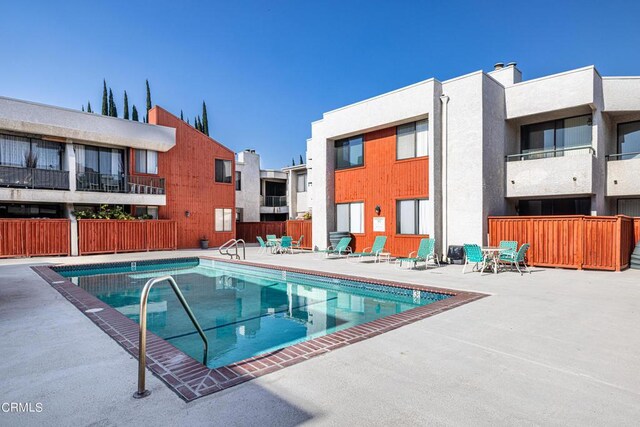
543	154
624	156
275	201
47	179
120	183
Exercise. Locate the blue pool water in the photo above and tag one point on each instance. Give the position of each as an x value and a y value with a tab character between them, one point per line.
244	311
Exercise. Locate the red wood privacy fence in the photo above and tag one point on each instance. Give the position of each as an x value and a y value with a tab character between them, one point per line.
97	236
591	242
636	228
248	231
34	237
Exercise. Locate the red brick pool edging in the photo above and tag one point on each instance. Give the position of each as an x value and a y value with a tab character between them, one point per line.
190	379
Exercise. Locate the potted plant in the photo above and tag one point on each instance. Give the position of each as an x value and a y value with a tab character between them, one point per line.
204	243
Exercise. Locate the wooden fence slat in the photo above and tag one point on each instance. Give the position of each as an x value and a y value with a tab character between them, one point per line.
34	237
113	236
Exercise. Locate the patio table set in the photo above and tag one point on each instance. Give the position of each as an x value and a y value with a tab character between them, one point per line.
495	258
279	245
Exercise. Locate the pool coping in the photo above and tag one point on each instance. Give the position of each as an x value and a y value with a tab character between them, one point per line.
190	379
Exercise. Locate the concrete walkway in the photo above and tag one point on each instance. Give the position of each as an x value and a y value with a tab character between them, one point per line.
556	347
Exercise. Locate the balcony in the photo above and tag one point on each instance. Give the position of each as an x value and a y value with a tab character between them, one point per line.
130	184
567	171
275	201
622	174
33	178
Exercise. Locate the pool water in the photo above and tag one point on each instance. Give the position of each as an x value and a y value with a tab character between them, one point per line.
244	311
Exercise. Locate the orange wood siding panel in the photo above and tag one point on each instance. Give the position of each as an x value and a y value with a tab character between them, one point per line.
189	169
591	242
97	236
297	228
34	237
382	181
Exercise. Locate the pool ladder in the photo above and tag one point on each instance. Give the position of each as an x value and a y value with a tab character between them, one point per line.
142	342
233	244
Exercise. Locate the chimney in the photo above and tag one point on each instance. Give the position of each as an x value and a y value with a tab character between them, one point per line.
498	66
512	64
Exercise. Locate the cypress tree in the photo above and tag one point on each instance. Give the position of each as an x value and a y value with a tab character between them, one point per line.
83	107
113	110
293	161
301	161
105	106
188	122
205	121
148	100
126	106
181	116
89	107
134	114
198	123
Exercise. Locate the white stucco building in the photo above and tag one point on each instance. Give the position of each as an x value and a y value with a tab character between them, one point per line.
438	157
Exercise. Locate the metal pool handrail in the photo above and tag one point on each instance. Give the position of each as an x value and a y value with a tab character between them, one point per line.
233	243
142	341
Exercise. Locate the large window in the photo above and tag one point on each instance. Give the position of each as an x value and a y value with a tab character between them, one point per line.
105	161
350	152
565	206
223	219
146	161
30	152
412	140
350	217
556	135
238	181
146	211
301	184
223	171
629	140
411	216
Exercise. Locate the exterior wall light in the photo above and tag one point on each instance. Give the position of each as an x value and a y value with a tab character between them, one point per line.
615	181
575	179
378	210
513	182
187	213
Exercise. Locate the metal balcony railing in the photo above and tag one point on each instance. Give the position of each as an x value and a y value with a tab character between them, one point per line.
46	179
544	154
624	156
275	201
119	183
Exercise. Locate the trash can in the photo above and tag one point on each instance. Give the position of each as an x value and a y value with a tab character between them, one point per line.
455	254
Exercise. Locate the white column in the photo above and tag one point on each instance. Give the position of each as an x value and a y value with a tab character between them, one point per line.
445	213
68	209
70	164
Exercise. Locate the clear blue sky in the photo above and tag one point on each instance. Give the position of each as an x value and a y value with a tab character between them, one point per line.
267	69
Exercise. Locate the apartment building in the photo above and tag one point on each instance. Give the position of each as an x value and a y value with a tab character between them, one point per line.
437	157
54	161
268	194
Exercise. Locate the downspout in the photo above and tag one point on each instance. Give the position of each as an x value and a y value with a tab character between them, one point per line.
445	199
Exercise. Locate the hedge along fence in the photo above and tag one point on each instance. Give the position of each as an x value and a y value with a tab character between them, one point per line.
34	237
96	236
576	241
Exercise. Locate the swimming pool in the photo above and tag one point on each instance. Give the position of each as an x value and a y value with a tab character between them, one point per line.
256	319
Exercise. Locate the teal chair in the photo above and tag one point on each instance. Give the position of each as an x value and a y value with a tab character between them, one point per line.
374	251
473	255
263	246
272	241
341	249
286	245
516	259
298	244
425	252
510	245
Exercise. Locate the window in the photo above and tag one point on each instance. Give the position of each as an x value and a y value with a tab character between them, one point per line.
412	140
223	171
223	219
350	217
578	206
30	152
146	161
301	184
238	181
350	152
146	211
556	135
629	140
629	207
99	160
238	214
411	216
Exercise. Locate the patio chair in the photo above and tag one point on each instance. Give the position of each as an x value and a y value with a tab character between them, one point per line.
511	245
298	244
473	254
425	252
286	245
263	246
374	251
341	249
516	259
272	241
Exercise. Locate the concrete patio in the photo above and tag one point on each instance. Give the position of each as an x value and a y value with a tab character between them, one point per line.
556	347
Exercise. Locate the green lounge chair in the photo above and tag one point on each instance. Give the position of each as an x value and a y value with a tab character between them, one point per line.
374	251
263	246
272	242
298	244
473	255
425	252
286	245
516	259
341	249
511	245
